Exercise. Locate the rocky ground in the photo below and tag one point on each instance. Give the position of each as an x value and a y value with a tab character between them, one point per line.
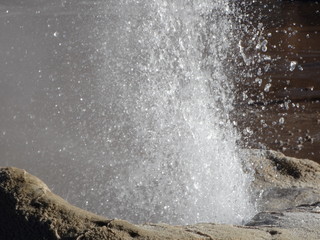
287	191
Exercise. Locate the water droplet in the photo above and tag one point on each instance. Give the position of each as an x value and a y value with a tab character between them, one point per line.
281	120
267	87
264	47
259	81
293	65
259	72
56	34
247	131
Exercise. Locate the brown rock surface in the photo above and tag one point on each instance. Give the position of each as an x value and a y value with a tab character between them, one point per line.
29	210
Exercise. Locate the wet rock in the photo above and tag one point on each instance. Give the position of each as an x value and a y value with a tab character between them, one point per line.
29	210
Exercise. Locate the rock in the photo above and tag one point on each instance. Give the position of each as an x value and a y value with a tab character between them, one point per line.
302	221
282	182
29	210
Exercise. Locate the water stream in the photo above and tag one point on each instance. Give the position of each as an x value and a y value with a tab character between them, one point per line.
170	142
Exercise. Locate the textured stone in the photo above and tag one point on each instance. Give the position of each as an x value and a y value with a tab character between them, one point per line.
302	221
282	182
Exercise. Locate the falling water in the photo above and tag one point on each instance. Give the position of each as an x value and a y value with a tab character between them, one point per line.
166	131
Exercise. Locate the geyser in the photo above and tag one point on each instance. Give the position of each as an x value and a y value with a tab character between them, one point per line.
123	107
168	140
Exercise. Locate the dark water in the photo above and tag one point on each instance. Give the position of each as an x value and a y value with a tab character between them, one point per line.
283	110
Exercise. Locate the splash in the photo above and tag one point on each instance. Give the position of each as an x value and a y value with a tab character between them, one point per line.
168	147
